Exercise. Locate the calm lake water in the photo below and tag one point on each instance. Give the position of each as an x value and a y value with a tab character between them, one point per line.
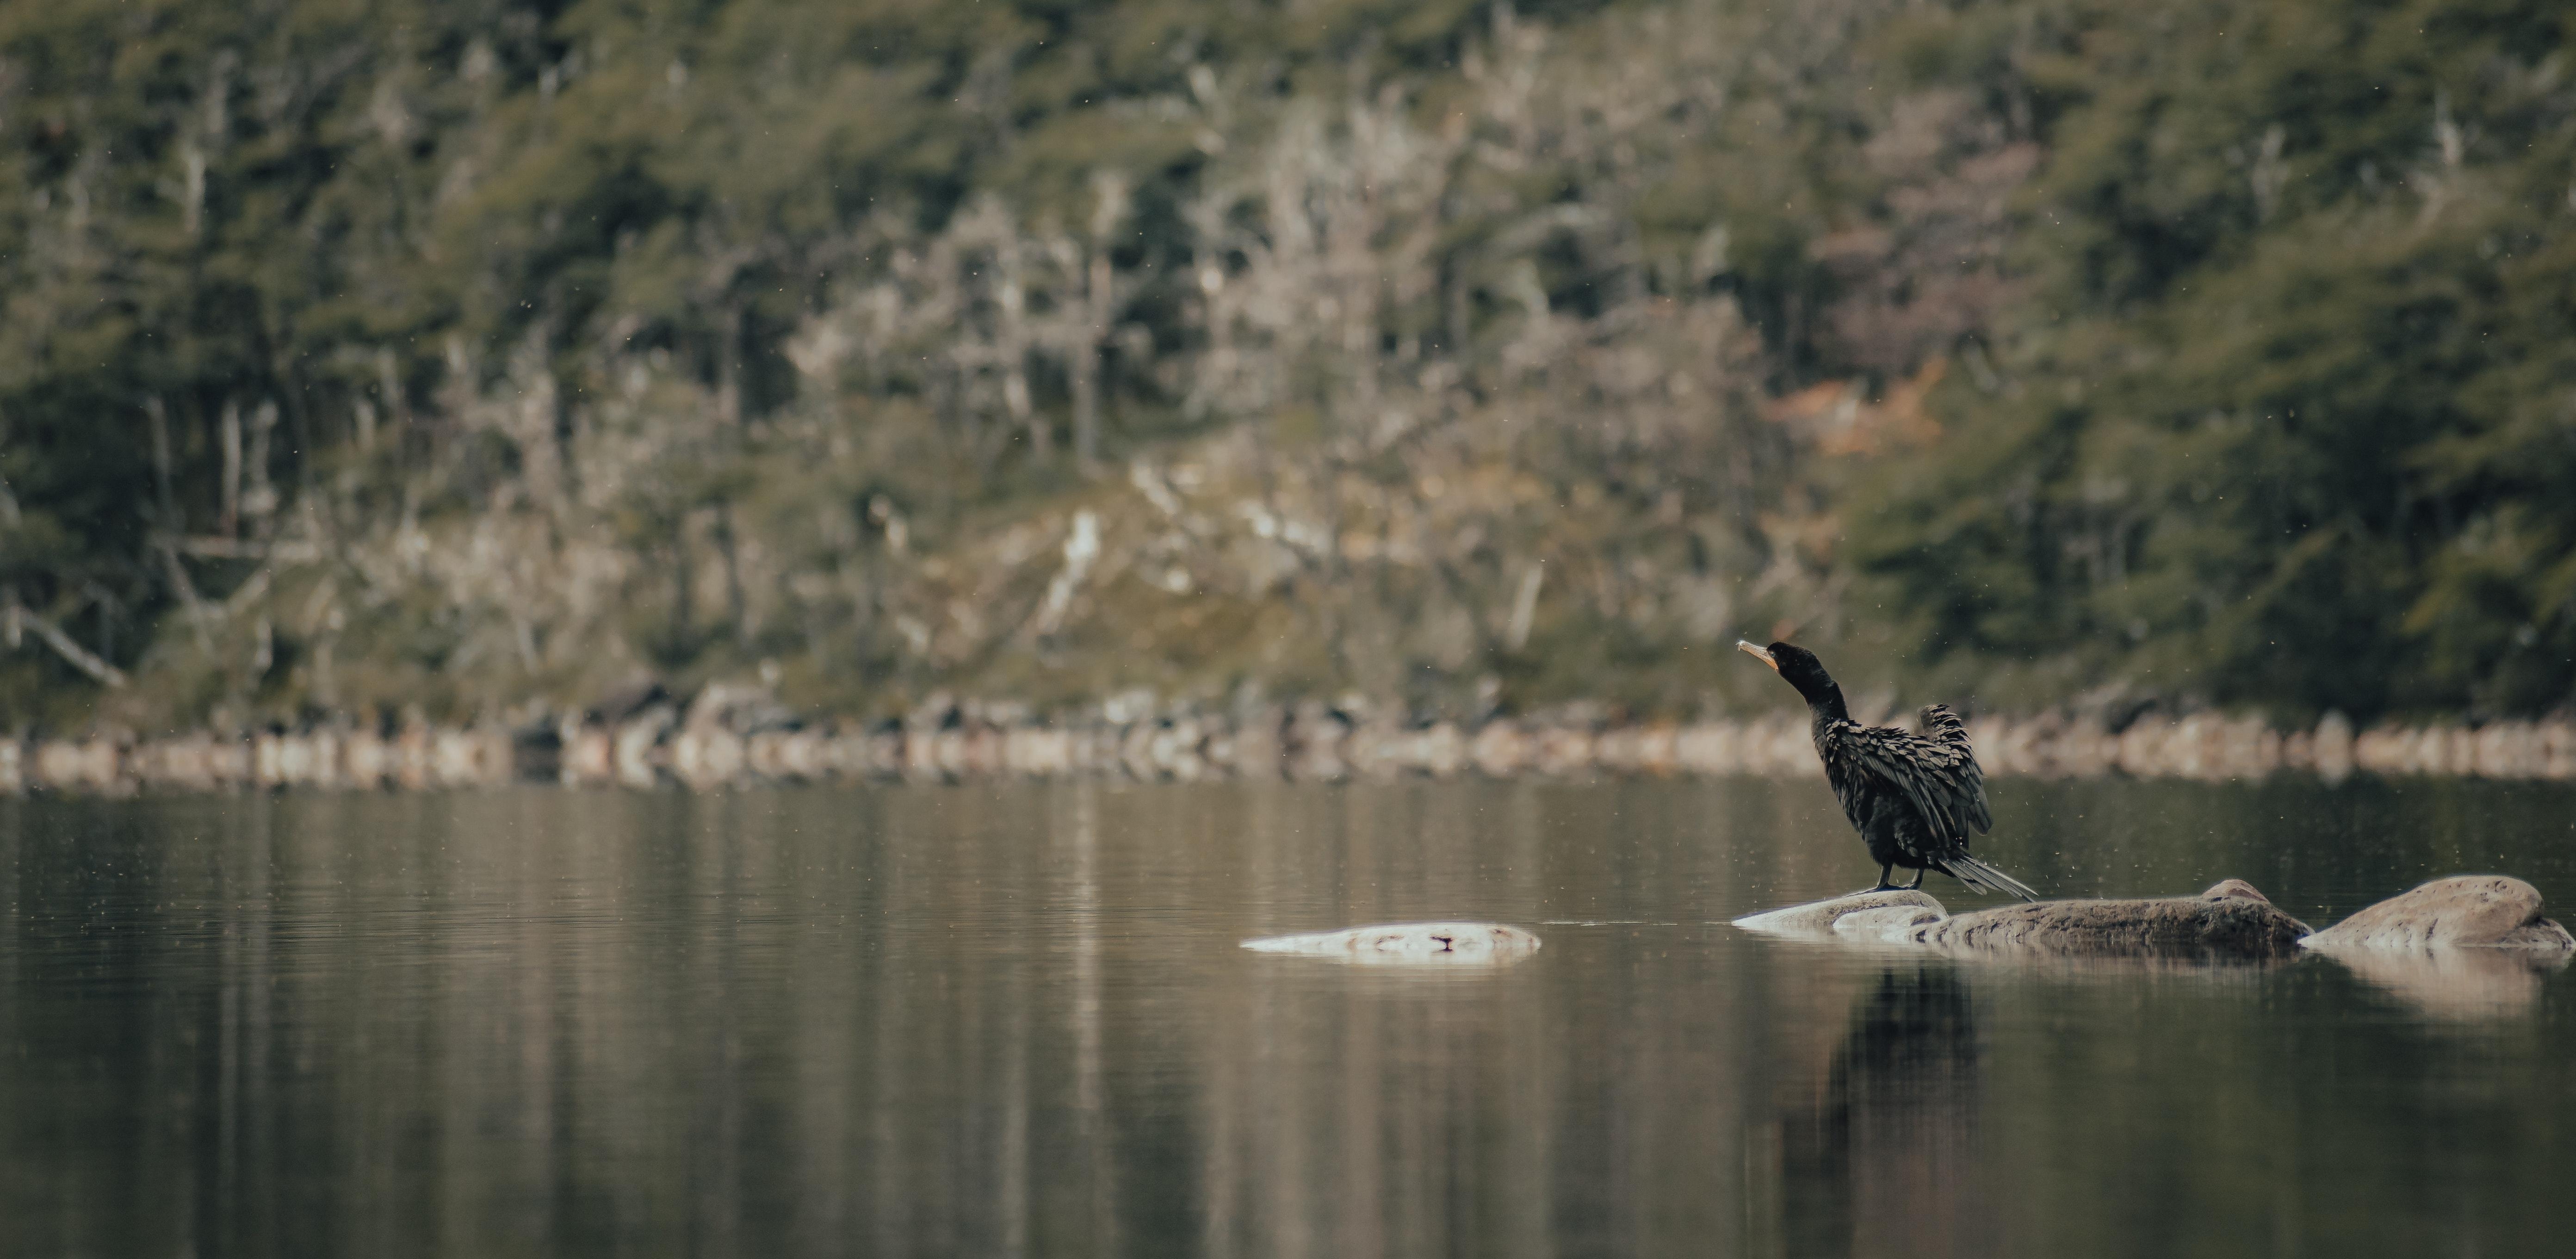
980	1022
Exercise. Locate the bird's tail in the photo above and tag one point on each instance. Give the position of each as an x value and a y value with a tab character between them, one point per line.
1986	878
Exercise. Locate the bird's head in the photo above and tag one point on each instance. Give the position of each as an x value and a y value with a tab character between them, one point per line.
1796	665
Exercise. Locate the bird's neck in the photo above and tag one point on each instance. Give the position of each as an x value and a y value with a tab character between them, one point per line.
1826	705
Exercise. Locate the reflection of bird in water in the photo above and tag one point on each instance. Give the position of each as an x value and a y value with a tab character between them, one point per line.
1915	797
1885	1161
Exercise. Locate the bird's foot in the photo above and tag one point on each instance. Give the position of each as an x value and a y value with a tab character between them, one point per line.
1883	887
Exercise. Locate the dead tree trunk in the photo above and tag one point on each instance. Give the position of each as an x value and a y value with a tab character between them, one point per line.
736	605
229	434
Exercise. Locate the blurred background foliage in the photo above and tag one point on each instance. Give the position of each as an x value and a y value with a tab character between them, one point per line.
383	356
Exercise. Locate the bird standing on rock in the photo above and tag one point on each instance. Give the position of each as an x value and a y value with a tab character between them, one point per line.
1914	797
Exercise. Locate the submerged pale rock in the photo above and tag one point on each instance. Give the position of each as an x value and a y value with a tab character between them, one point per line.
2231	919
2472	911
1451	943
1822	917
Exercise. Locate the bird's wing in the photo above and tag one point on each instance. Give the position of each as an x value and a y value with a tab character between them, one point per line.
1944	728
1940	781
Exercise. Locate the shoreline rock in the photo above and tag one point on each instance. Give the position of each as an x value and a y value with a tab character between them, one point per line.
731	736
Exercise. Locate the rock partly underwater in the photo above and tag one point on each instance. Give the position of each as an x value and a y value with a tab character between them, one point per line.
2465	948
2463	945
1821	917
2229	920
1410	943
2470	911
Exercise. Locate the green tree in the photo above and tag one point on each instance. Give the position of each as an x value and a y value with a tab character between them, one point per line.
2274	424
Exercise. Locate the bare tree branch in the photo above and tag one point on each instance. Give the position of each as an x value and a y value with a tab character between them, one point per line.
106	674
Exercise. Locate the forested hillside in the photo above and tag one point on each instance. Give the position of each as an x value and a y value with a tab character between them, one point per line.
369	357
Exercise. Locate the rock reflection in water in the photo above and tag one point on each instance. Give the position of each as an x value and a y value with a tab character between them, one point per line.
1883	1159
2466	985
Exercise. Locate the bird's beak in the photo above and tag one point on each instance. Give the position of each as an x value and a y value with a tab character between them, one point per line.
1758	653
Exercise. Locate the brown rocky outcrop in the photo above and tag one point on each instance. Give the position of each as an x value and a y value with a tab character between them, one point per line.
2461	947
2229	920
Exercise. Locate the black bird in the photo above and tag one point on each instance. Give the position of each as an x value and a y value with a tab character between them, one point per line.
1915	797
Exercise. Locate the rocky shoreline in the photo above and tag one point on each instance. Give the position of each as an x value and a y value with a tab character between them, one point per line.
739	736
